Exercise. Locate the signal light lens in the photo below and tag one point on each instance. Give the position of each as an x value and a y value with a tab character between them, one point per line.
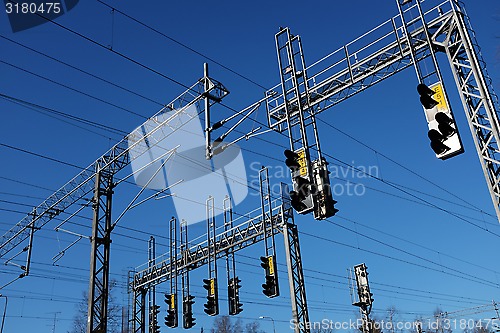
428	102
444	124
426	96
422	89
292	160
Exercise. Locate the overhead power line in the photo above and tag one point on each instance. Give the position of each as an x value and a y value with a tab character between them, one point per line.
467	202
82	71
183	45
73	89
42	156
45	110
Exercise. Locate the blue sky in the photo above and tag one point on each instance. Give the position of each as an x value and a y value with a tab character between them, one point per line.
420	255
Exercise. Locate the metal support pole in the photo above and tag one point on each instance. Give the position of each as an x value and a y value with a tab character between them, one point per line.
130	303
99	257
270	318
172	239
208	140
265	201
366	324
478	99
228	225
142	311
300	313
211	238
152	290
30	246
139	311
364	298
187	299
4	312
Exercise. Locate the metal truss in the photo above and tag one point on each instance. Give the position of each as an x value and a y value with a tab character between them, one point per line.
276	217
369	59
247	233
99	257
476	92
391	47
267	212
296	95
153	316
99	179
304	92
211	243
139	311
117	158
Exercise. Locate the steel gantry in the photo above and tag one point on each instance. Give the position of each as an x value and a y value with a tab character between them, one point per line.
391	47
276	217
99	179
416	34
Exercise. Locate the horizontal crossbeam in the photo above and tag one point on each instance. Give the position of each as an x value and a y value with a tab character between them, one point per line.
118	157
239	237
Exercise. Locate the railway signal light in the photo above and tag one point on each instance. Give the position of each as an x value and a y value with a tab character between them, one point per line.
212	304
187	312
443	134
171	320
154	311
437	140
271	287
426	94
364	294
292	160
301	196
324	203
235	307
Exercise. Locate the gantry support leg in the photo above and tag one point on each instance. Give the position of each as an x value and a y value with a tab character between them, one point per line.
99	257
300	313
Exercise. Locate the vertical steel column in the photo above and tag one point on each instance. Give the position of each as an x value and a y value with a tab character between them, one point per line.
139	311
228	225
99	257
173	258
364	299
153	318
208	139
496	309
302	130
30	245
184	246
300	313
428	72
366	323
233	285
130	302
212	252
478	99
211	236
187	299
265	199
294	85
